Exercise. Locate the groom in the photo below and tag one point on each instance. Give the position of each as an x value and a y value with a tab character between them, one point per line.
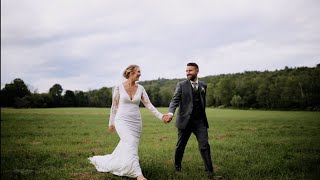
190	96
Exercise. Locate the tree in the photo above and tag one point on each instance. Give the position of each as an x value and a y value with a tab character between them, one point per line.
16	89
43	100
55	91
154	95
81	99
210	100
236	101
166	95
22	102
100	98
69	99
224	91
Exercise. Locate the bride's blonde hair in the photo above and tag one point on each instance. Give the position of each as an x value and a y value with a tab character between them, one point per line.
128	70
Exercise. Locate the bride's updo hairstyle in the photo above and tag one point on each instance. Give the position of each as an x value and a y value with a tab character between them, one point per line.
130	69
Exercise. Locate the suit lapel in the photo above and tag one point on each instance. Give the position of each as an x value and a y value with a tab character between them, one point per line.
190	89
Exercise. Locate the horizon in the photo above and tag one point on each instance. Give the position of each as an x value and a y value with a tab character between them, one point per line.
160	78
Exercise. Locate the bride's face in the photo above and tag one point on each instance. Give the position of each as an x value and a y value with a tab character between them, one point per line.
136	74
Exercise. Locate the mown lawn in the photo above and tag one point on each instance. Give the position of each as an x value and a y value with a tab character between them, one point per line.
245	144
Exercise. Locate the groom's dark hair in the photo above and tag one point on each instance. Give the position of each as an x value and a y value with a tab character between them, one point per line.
193	64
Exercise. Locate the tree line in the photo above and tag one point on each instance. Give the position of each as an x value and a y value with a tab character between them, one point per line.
290	88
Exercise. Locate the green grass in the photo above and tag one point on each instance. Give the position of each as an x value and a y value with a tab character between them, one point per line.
55	144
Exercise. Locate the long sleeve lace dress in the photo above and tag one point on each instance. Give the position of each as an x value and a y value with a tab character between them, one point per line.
125	115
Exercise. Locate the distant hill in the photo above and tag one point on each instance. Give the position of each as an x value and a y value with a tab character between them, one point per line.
288	89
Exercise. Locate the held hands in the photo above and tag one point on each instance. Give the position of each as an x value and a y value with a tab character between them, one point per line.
166	118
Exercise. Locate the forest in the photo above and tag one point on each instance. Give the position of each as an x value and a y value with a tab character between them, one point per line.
295	88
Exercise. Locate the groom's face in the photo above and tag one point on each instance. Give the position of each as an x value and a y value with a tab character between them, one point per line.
192	72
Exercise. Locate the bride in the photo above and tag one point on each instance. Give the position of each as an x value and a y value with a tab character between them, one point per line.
125	118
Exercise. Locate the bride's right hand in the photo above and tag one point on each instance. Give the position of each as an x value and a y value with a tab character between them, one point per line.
112	128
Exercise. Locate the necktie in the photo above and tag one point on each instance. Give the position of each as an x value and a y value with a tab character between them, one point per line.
194	86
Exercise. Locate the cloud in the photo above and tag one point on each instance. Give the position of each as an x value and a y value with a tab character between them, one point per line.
253	55
85	45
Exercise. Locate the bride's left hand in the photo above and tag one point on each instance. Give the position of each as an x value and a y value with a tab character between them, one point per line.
112	128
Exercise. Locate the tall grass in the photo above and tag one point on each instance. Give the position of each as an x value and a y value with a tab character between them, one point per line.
55	144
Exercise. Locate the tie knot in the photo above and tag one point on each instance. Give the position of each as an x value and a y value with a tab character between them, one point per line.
194	85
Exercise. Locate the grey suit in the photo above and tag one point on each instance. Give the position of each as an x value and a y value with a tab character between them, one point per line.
191	118
183	98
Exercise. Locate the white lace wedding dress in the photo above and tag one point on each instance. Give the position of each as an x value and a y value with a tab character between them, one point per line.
125	115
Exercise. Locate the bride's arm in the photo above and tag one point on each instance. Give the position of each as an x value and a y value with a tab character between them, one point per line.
114	106
147	103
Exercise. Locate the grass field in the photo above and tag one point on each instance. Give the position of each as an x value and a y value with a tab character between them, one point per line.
55	144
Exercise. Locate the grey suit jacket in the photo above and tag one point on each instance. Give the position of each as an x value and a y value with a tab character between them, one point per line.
183	99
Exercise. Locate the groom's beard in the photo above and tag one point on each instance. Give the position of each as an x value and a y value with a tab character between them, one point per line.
191	77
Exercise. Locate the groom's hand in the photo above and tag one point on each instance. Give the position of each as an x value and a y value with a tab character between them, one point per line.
166	118
169	118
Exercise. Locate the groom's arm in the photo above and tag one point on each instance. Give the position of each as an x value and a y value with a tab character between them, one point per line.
175	100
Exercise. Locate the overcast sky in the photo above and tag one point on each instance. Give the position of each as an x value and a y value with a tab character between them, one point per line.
85	44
